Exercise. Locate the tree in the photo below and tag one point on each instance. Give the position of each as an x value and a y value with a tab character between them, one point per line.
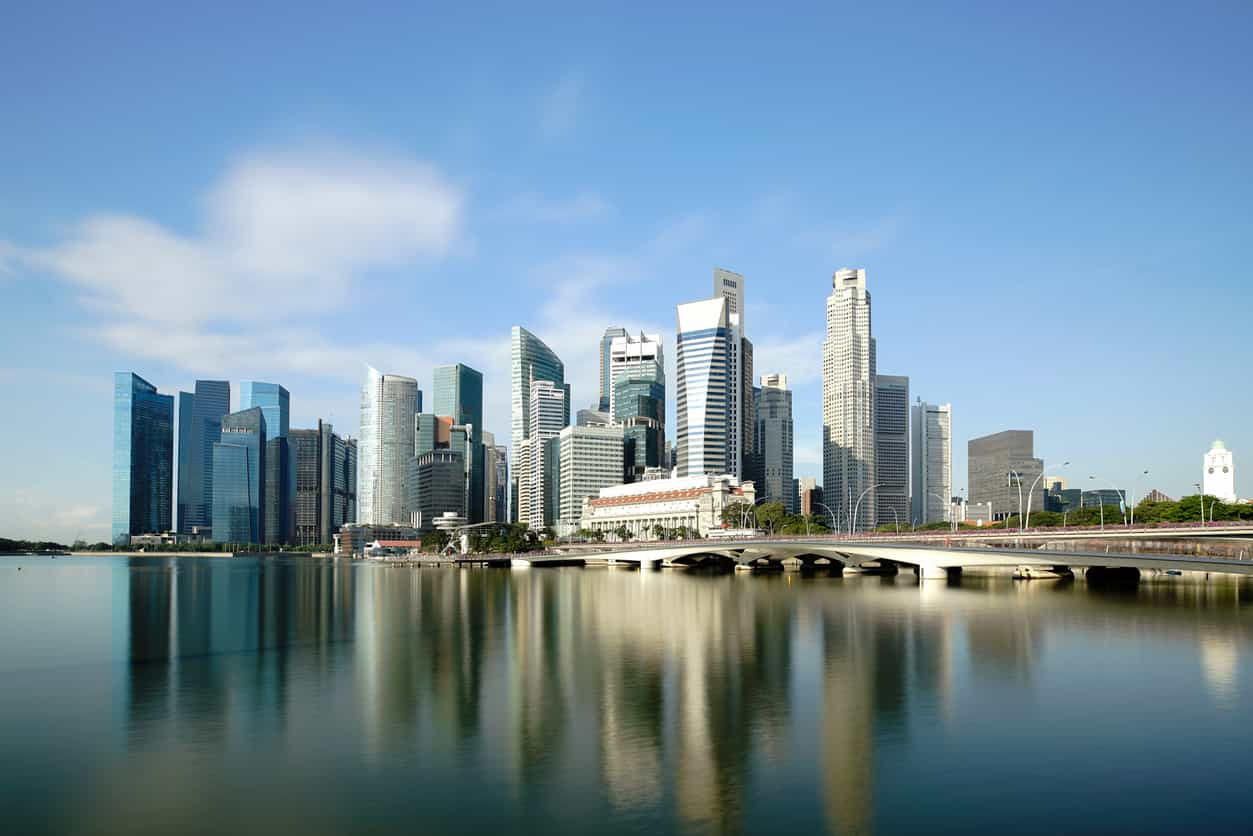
624	533
733	514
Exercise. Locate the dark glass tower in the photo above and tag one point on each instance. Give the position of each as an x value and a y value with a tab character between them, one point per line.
199	428
275	404
239	478
143	458
459	395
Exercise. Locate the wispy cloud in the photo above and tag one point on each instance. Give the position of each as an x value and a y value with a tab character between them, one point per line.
532	207
559	106
799	357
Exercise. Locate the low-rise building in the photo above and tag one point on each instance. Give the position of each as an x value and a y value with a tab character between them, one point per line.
694	503
351	540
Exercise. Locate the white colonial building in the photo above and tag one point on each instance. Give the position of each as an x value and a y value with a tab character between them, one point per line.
691	502
1219	474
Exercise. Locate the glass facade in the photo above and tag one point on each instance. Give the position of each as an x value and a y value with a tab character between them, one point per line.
530	359
143	458
441	480
705	382
389	406
199	427
606	379
459	395
325	468
773	442
275	404
239	478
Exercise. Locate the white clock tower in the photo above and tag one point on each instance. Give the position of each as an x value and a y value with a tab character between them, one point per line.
1219	474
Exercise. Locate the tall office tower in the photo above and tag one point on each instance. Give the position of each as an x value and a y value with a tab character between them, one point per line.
1218	476
634	358
637	399
275	404
239	483
326	483
932	462
891	405
538	480
705	385
606	379
488	511
772	454
143	458
459	394
998	465
590	458
530	359
848	375
740	417
389	404
441	481
199	426
502	483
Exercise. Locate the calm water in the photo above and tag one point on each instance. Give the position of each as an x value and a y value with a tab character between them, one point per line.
156	695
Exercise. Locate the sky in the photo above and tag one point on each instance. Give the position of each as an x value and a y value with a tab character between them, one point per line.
1053	204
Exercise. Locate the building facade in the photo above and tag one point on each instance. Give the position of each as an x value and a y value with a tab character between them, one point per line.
530	359
441	486
848	389
589	458
809	496
459	394
773	443
239	482
143	458
389	406
931	460
537	483
998	465
692	504
326	483
891	403
704	387
199	428
606	378
1218	474
274	401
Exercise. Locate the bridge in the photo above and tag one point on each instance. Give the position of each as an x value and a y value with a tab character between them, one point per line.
932	561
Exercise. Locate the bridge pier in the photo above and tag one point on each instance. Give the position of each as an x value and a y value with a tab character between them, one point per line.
932	573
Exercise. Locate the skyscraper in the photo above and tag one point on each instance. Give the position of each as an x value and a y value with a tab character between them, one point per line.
704	387
389	404
239	483
325	484
891	404
932	462
848	375
459	394
590	458
275	404
773	443
740	416
530	359
638	399
537	483
606	379
633	358
998	465
199	427
143	458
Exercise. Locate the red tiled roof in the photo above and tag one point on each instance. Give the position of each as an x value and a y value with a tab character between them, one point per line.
658	496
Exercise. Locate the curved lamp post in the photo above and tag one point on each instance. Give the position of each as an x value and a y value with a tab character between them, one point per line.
853	525
1132	501
1122	500
1011	477
834	527
1027	524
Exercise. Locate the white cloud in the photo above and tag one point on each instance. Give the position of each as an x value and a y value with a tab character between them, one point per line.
799	357
296	230
532	207
35	517
559	107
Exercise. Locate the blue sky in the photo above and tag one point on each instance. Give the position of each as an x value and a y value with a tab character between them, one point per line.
1053	205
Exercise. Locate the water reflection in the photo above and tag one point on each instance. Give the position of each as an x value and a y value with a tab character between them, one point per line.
646	701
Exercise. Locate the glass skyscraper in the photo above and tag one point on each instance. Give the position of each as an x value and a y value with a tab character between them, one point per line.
280	479
199	428
143	458
530	359
385	452
326	483
239	478
459	395
606	375
773	442
705	383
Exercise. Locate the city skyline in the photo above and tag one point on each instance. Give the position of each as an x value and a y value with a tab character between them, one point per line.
604	206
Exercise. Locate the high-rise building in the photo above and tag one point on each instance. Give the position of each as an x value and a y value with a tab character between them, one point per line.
740	415
143	458
848	388
999	465
772	441
199	427
537	489
606	380
704	387
239	482
809	494
389	405
592	418
637	400
634	358
590	458
891	404
459	394
1218	476
275	404
530	360
490	474
441	486
931	461
326	483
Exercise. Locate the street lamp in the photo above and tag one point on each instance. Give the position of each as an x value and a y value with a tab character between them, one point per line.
1135	482
834	527
1010	478
853	526
1122	501
1201	495
1027	524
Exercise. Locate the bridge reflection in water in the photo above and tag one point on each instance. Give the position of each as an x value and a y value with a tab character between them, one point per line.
308	692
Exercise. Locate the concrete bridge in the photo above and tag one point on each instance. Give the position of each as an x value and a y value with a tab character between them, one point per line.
928	560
